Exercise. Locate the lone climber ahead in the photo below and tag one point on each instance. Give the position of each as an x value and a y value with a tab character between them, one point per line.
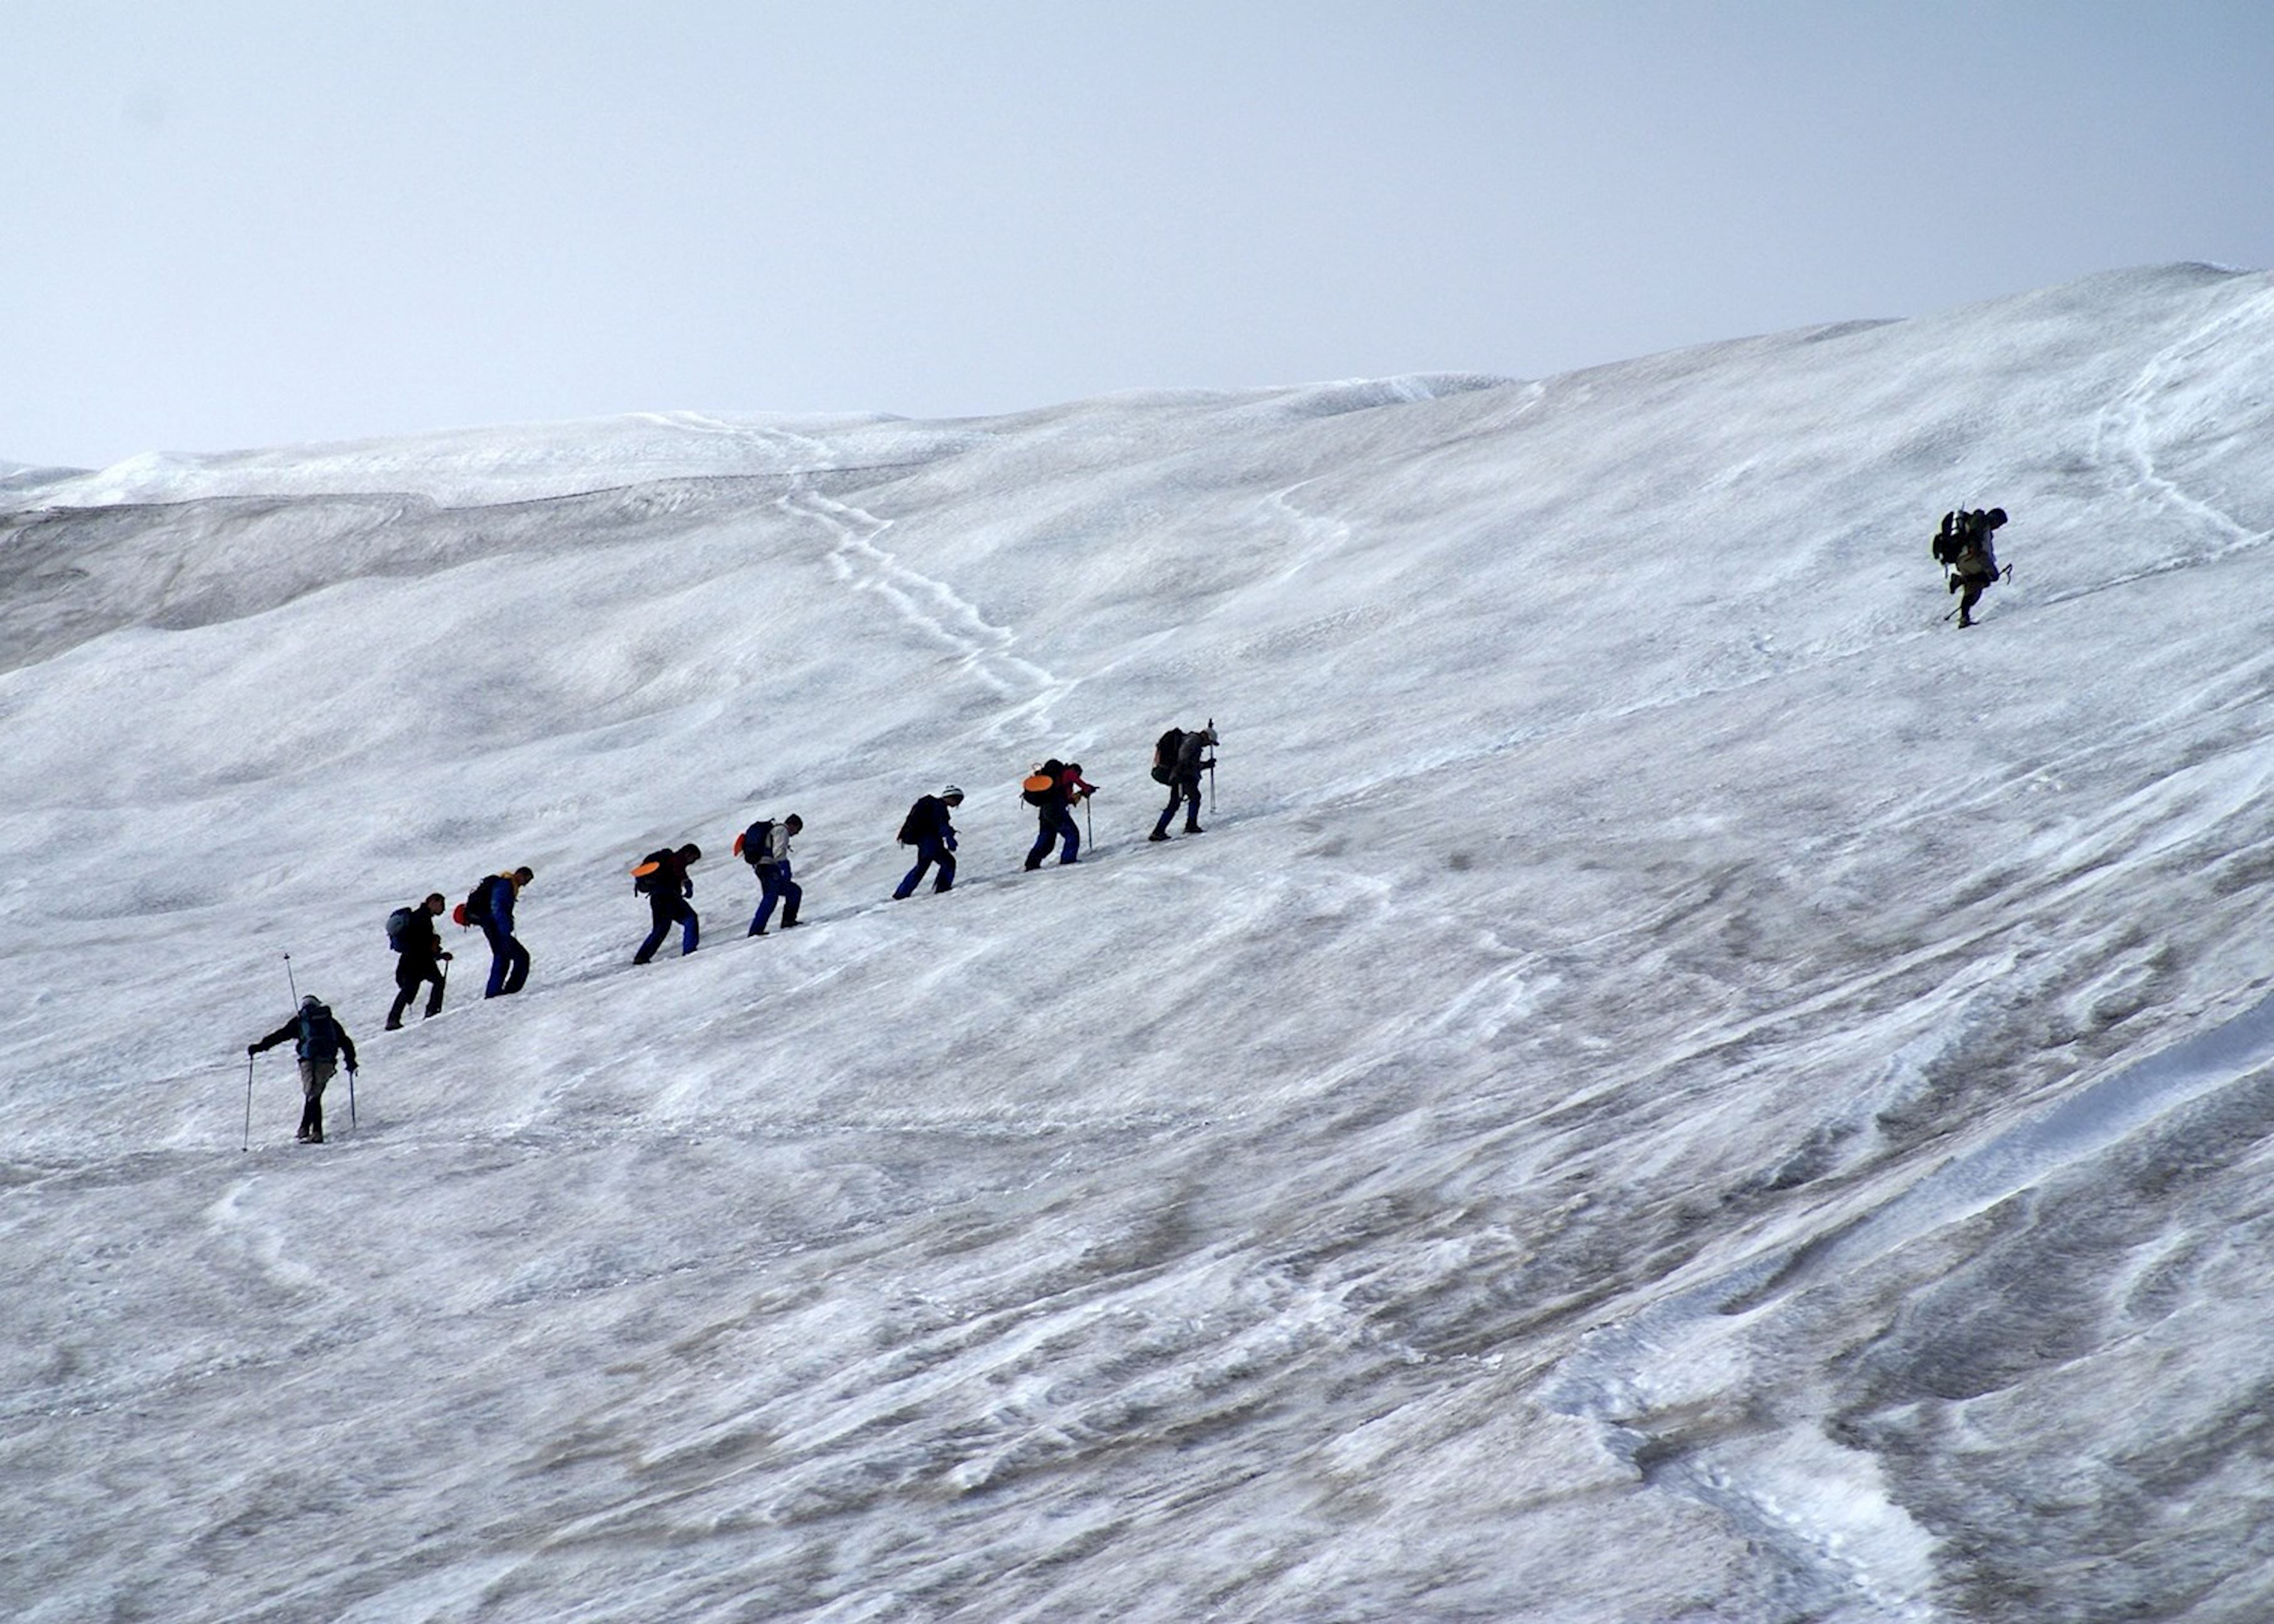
1963	547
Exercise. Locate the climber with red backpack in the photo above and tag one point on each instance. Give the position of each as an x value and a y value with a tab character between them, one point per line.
765	846
490	906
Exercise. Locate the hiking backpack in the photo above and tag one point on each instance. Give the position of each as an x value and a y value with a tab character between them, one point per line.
398	926
1165	754
653	875
753	841
1962	532
475	910
916	824
319	1034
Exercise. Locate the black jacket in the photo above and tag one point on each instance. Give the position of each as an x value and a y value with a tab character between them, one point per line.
930	819
670	878
421	942
296	1029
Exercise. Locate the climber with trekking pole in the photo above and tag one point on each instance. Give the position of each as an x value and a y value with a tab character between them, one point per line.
1179	759
320	1042
1963	548
420	958
1054	789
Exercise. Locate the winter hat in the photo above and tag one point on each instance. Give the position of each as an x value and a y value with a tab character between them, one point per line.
952	792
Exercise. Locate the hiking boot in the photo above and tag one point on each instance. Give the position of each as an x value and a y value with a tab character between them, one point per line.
1194	829
394	1026
1033	863
1158	834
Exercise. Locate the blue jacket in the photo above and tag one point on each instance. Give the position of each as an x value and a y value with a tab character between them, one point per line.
498	893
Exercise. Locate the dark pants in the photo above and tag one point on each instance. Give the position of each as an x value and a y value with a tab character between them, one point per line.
508	960
775	886
411	973
929	850
668	911
1974	586
1057	823
314	1075
1184	792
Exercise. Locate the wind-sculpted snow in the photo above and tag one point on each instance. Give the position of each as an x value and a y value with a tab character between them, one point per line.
1675	1085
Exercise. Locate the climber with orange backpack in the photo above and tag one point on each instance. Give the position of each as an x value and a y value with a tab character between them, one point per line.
662	878
1056	788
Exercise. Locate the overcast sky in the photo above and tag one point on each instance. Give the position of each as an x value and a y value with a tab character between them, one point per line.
246	224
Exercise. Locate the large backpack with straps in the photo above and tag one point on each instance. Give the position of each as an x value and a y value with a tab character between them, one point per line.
319	1034
398	926
920	821
1165	755
751	844
1962	532
475	910
653	873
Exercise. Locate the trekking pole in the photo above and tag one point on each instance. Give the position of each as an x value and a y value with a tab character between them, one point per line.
352	1116
1089	830
291	981
1211	727
248	1103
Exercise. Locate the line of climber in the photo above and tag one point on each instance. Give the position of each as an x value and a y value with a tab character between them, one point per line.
1054	789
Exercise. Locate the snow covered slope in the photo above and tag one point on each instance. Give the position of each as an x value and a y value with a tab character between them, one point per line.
1675	1085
